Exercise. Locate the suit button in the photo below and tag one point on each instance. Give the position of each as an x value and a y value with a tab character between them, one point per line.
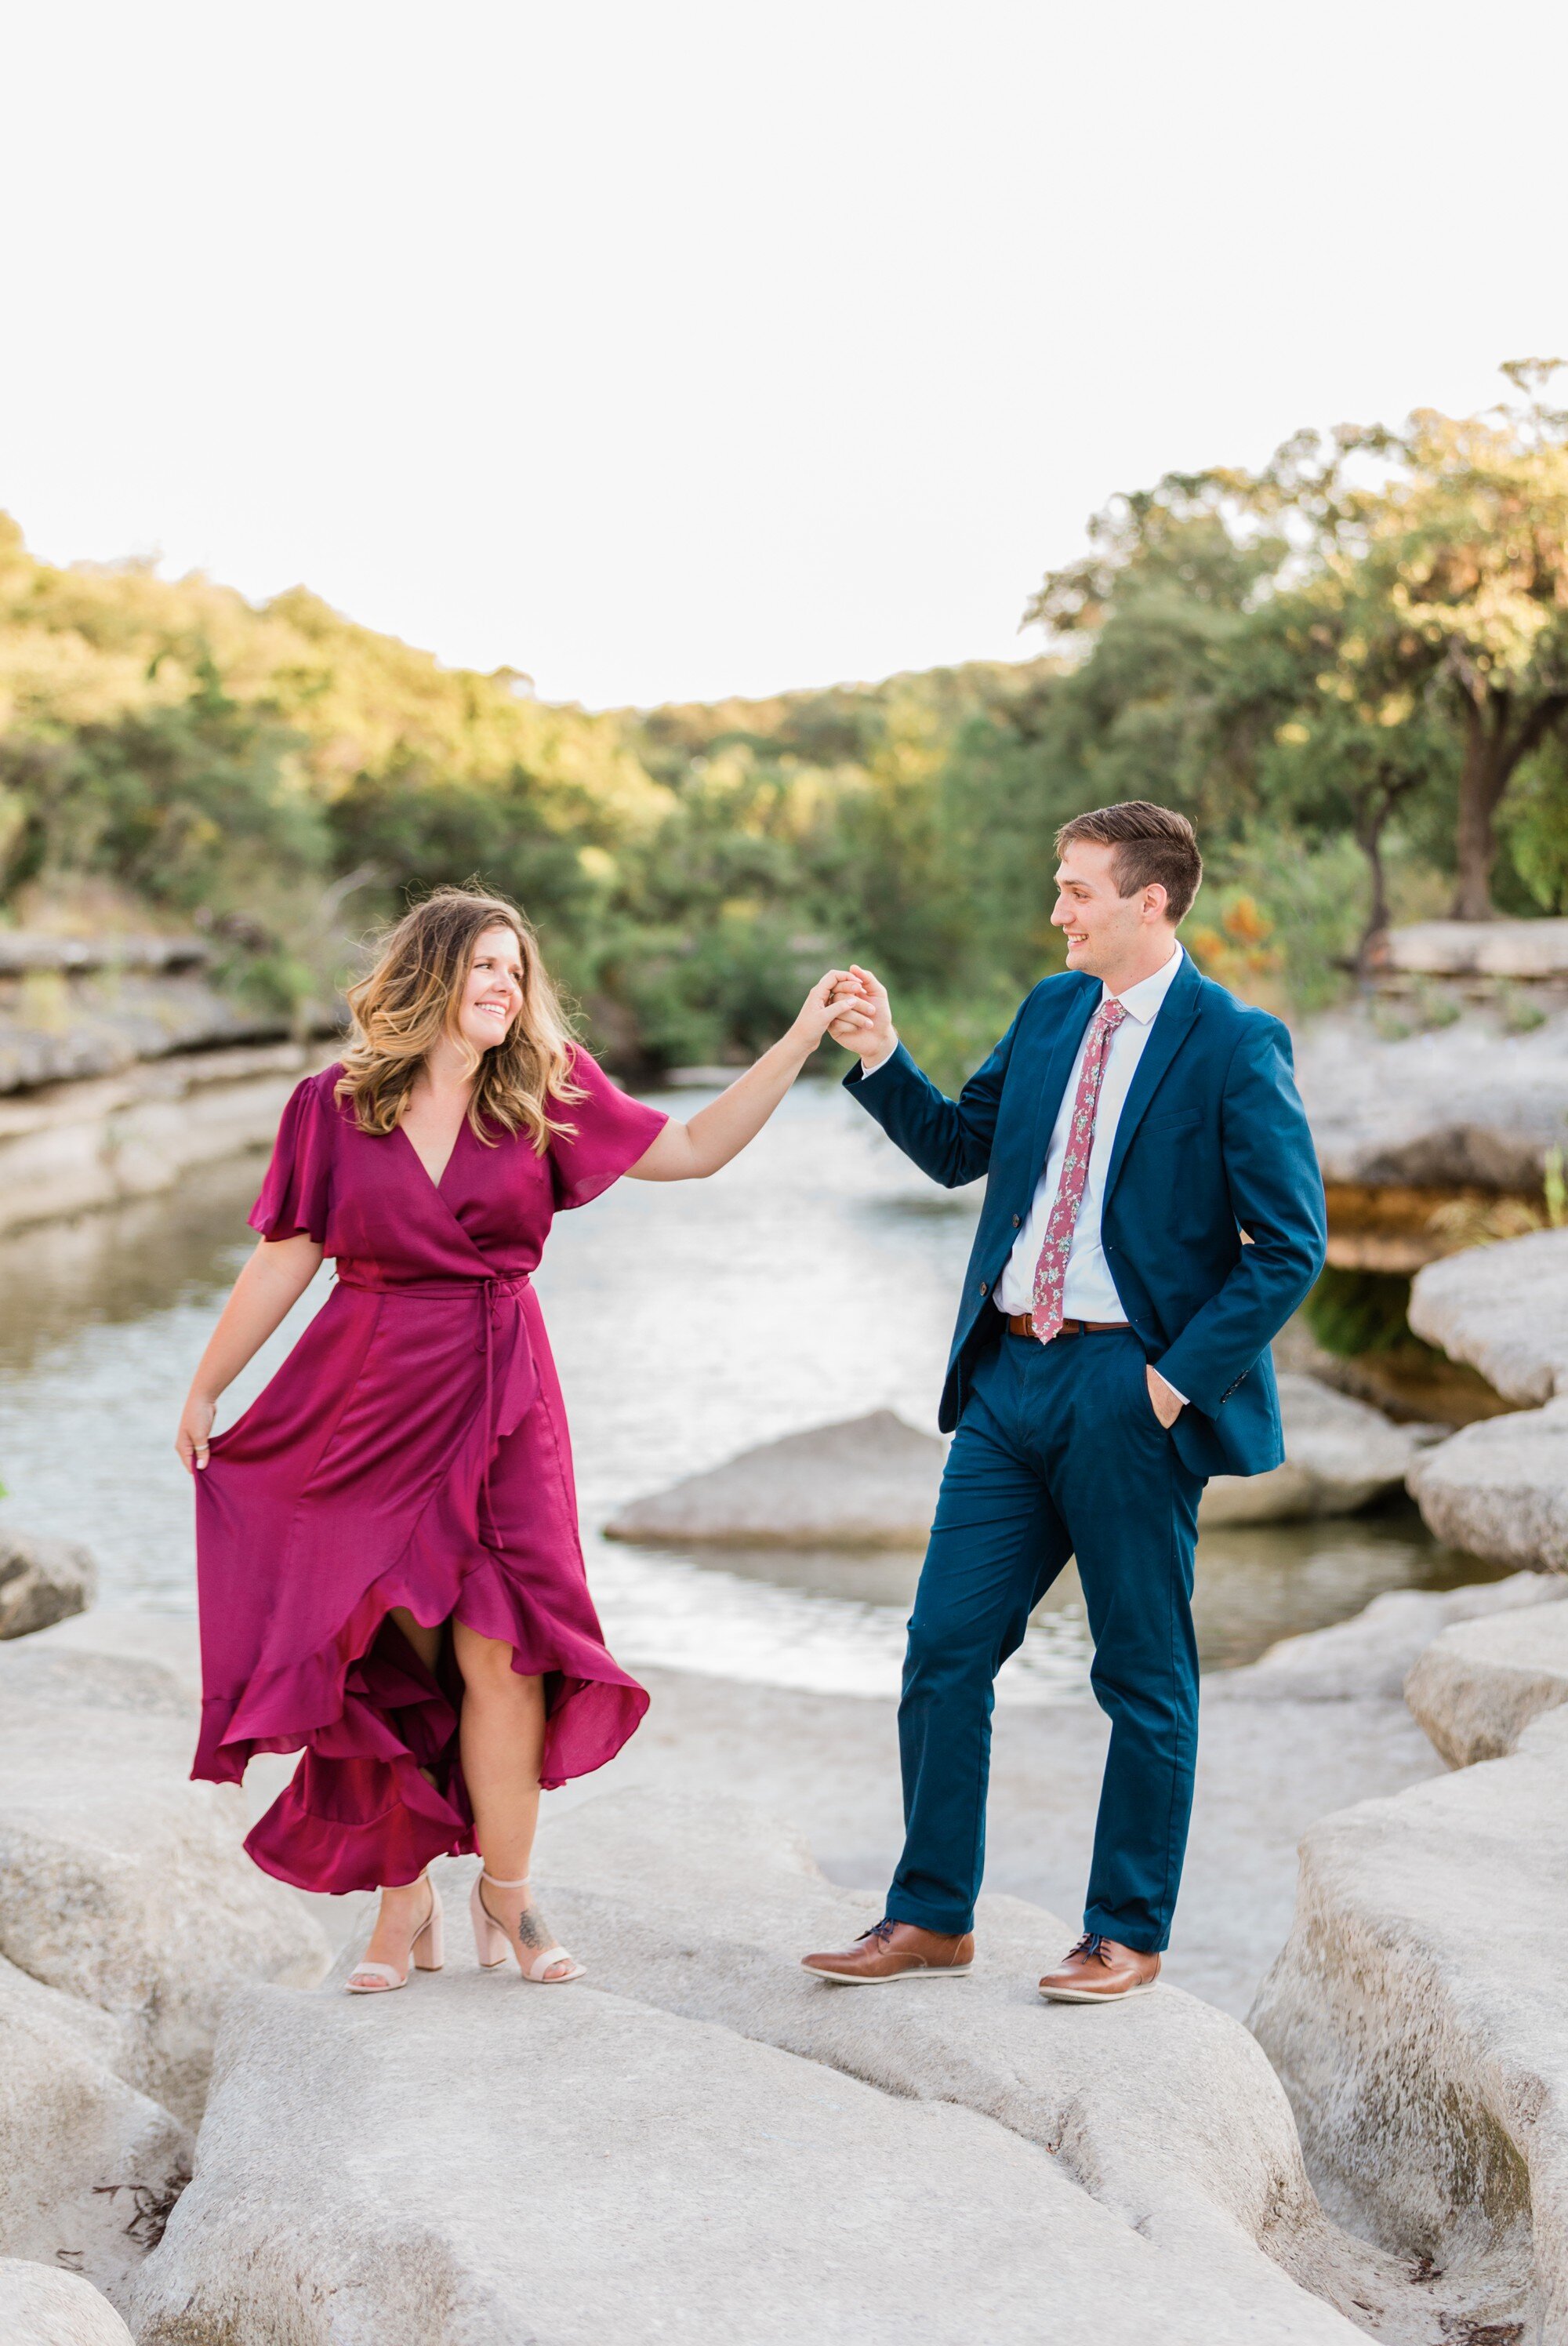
982	1287
1017	1221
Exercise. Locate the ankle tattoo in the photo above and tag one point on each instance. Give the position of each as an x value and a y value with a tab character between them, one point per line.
531	1931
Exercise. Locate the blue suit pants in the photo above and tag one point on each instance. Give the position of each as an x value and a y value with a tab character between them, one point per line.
1058	1452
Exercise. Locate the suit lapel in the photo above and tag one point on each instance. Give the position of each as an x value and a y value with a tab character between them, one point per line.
1174	1017
1058	1068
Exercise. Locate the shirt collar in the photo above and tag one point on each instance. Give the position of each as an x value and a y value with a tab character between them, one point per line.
1142	1001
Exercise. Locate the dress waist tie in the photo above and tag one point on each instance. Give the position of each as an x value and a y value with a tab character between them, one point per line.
488	1293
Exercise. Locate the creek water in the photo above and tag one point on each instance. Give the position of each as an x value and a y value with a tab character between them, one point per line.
813	1281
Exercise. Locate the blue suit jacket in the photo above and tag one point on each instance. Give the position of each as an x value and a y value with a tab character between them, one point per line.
1213	1141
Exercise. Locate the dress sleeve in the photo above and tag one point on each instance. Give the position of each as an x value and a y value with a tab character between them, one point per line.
613	1130
297	1192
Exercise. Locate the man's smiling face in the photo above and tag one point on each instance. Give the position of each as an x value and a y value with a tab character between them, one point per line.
1104	930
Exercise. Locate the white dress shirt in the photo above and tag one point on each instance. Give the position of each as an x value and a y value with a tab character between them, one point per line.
1088	1291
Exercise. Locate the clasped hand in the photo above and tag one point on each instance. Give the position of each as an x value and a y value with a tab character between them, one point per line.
851	1006
863	1021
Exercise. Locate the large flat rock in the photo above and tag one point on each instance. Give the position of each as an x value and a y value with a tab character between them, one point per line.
1340	1455
1500	1488
42	2306
42	1581
74	2130
1477	1687
1505	1309
911	2166
1176	2121
122	1882
1527	949
873	1481
585	2168
1461	1104
1372	1653
1419	2017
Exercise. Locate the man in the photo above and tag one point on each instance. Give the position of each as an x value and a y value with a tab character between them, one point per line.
1153	1214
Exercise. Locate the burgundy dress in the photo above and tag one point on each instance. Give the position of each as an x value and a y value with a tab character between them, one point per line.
411	1450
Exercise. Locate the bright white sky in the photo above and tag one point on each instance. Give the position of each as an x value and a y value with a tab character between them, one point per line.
719	345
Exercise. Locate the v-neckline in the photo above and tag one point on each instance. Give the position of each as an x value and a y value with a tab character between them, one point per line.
435	1179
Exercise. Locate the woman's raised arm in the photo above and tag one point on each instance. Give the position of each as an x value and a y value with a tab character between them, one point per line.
265	1292
690	1151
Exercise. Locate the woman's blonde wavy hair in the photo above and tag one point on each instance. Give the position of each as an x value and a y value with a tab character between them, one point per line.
411	998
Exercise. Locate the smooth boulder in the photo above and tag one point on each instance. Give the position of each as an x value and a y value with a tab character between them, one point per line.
83	2153
1503	1310
122	1882
1528	949
42	1581
1175	2121
592	2163
1466	1105
1340	1455
1419	2018
872	1482
1500	1488
1476	1687
41	2305
869	1482
1371	1654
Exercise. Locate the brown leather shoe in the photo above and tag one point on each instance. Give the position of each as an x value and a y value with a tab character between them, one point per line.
894	1951
1100	1971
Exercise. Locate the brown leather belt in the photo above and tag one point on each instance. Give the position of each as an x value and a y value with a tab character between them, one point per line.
1019	1323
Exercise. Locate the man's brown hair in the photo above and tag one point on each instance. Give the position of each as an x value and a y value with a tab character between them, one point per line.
1152	846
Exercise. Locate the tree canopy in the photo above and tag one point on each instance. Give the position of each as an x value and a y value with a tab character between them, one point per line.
1350	667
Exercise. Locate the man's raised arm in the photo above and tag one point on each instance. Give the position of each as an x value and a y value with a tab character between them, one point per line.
948	1139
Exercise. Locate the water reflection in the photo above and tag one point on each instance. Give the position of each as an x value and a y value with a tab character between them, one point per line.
813	1281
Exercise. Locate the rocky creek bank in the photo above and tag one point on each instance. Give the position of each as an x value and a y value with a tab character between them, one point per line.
1500	1488
699	2138
123	1065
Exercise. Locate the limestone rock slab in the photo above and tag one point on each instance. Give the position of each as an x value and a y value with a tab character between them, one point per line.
1529	949
1500	1488
40	2305
1419	2018
42	1581
1477	1687
73	2130
869	1482
1340	1455
473	2164
1371	1654
122	1882
1466	1103
873	1481
1505	1309
1176	2123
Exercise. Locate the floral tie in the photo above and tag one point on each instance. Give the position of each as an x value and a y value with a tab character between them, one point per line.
1050	1270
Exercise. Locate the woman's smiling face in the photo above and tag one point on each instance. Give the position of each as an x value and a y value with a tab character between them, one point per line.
493	990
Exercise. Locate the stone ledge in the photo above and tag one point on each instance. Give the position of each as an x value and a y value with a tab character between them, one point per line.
1518	949
1476	1687
1419	2018
42	2306
1500	1488
1503	1310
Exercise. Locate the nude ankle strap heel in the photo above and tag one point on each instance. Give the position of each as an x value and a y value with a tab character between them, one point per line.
492	1945
380	1979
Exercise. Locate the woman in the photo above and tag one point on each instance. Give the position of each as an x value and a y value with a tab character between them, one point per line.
390	1570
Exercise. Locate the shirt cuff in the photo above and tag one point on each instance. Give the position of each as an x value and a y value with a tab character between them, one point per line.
869	1067
1170	1388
